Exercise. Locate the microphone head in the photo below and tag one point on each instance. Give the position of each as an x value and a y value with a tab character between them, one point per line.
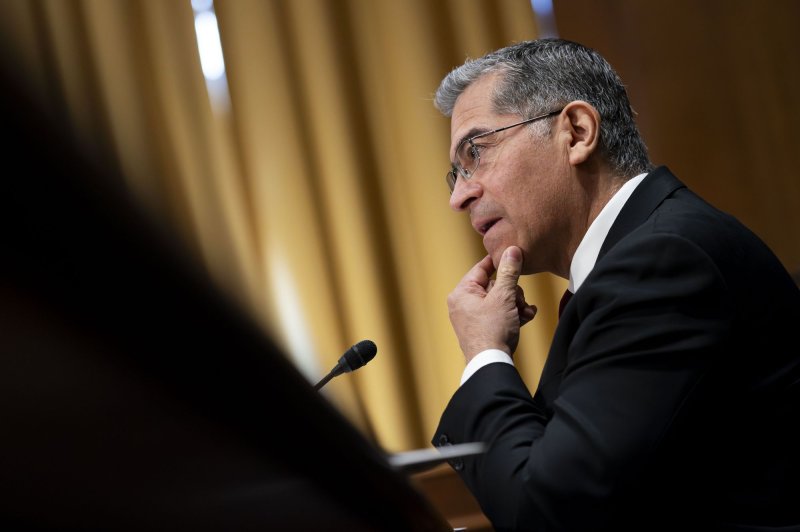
358	355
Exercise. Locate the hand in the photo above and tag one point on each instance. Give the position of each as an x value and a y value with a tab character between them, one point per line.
486	313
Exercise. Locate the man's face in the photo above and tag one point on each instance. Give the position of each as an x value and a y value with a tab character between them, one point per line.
516	196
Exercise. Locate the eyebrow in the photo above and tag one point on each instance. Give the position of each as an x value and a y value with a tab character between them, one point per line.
471	133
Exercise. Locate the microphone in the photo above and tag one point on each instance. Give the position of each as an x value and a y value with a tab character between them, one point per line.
355	357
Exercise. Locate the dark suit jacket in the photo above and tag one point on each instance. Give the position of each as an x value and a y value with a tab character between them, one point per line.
669	399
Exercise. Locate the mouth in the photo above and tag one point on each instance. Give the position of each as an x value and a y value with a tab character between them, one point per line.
484	226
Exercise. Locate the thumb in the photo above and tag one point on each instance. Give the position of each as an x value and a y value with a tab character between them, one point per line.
509	269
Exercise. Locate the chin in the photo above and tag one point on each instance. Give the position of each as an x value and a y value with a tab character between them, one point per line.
496	254
496	251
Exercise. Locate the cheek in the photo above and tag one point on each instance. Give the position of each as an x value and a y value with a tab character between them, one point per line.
535	210
527	200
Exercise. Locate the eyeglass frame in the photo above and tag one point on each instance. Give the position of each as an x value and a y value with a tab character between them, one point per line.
452	175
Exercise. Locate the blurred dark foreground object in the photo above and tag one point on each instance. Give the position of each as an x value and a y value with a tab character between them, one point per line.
133	396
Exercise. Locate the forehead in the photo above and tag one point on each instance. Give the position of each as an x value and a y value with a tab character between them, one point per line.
473	111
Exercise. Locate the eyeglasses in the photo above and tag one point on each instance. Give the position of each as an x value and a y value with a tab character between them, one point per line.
468	154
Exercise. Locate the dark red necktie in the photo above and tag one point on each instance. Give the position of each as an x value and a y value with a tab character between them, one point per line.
564	300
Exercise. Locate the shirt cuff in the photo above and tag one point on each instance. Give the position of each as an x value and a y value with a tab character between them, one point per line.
482	359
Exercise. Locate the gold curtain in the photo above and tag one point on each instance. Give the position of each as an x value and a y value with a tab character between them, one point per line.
315	195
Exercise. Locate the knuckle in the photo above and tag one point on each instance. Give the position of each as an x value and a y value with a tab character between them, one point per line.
507	270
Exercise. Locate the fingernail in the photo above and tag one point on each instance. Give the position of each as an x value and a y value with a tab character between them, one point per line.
513	253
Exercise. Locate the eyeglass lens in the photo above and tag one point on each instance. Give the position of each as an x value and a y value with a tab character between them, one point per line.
467	159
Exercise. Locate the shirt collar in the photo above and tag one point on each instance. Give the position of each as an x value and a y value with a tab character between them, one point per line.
586	254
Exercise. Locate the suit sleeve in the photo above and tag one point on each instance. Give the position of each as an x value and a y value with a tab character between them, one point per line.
644	331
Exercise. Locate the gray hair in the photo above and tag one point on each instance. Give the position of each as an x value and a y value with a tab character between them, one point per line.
542	75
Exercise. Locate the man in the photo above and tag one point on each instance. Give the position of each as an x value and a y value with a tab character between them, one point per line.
669	400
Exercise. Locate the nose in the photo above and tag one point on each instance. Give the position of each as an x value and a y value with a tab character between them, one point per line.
465	192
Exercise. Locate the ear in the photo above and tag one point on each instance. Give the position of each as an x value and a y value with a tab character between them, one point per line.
583	128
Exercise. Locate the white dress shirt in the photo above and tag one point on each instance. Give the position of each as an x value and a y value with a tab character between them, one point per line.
579	269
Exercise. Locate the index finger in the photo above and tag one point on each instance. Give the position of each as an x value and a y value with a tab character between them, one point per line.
480	273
